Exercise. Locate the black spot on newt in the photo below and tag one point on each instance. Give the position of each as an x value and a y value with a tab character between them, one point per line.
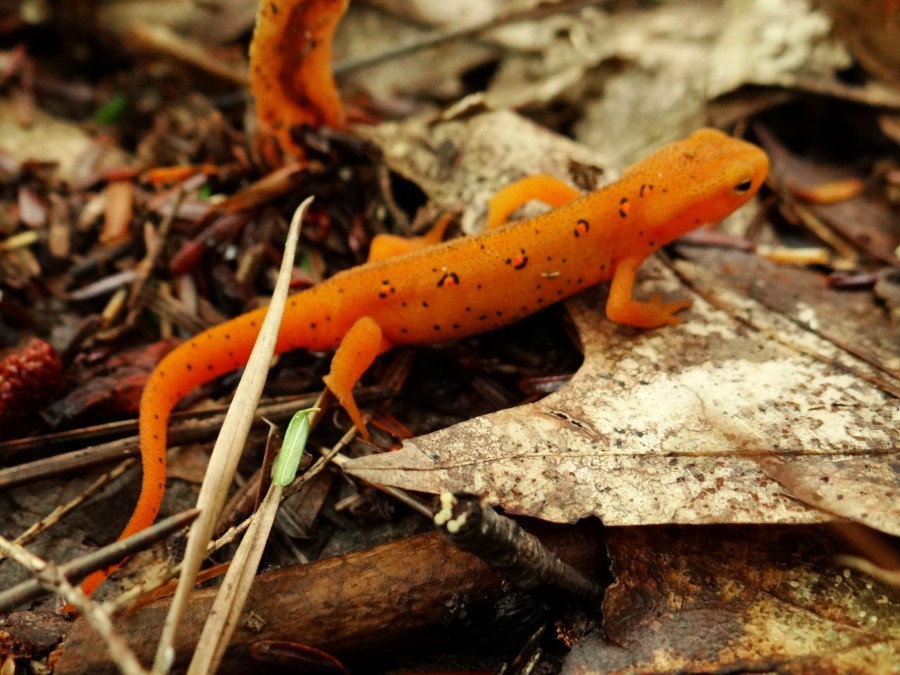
581	227
449	279
519	261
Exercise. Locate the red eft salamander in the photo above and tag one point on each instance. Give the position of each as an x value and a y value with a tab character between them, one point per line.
445	291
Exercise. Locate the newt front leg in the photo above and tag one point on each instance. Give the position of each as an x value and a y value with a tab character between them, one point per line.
623	308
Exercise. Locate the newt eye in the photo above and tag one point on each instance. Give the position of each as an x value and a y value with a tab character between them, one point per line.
743	187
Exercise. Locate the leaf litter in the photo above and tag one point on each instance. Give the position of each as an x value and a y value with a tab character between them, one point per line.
755	410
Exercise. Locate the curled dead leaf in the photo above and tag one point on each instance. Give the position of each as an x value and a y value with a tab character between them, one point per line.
830	192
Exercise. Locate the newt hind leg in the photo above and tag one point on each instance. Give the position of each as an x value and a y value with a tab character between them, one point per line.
362	343
544	188
390	245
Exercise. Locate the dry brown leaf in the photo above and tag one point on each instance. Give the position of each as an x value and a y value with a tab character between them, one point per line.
852	322
49	139
744	599
872	29
645	77
461	162
672	426
209	22
118	212
434	13
866	219
428	74
830	192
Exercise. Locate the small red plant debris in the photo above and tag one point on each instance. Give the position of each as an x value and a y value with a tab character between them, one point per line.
27	378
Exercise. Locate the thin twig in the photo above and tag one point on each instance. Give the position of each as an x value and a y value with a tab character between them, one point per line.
232	595
470	524
51	577
127	599
439	37
228	447
201	426
400	495
78	569
57	514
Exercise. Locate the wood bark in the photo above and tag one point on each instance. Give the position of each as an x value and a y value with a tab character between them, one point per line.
356	606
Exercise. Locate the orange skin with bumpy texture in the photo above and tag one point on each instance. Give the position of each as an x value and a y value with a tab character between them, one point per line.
438	292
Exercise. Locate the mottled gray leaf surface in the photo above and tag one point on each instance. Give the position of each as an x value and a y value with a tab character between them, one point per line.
712	421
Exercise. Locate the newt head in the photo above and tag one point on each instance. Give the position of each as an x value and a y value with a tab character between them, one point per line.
699	180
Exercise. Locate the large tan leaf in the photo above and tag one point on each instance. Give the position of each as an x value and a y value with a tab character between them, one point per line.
712	421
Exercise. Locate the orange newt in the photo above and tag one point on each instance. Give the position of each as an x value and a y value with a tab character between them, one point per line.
418	292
